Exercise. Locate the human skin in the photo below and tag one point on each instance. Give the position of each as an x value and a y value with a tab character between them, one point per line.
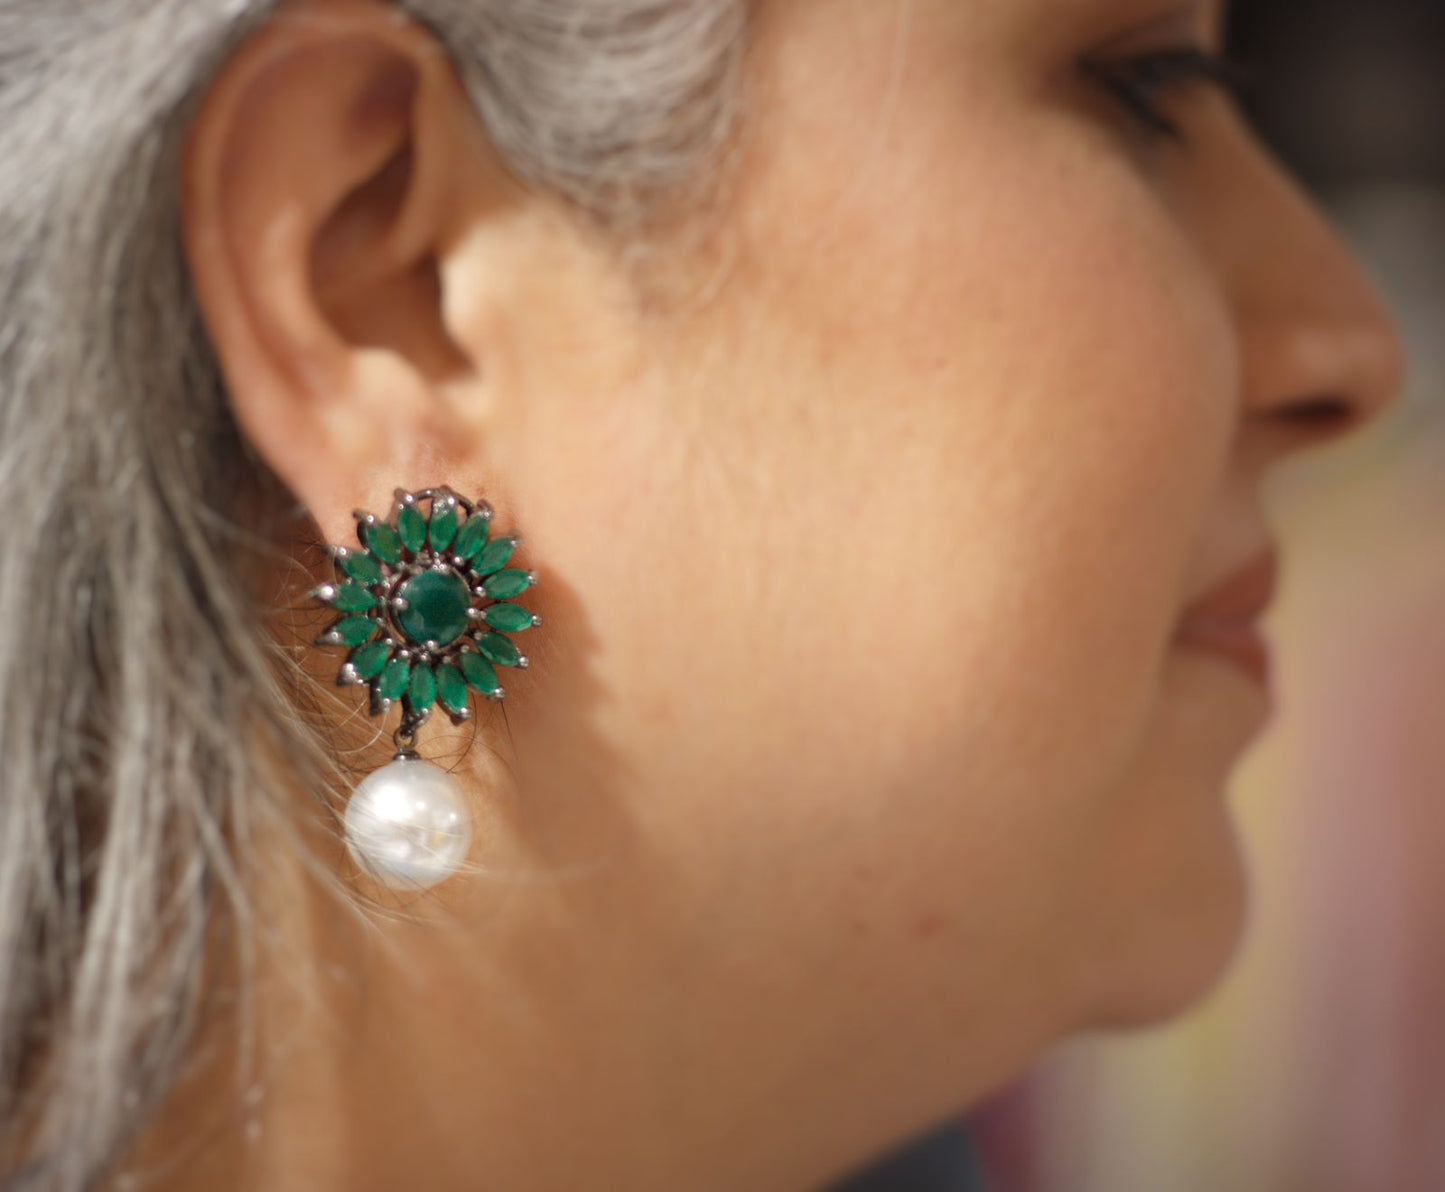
856	763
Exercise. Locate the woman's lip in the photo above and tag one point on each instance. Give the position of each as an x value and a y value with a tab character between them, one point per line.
1239	641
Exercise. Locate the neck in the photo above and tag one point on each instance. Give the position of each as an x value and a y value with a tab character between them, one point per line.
549	1022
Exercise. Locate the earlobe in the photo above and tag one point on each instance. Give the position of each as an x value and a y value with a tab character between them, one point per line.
321	187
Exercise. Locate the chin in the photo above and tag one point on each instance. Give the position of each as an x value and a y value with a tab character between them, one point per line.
1168	953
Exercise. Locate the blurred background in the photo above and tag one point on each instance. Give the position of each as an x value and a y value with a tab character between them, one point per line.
1318	1062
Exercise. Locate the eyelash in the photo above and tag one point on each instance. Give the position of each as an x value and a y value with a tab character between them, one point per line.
1136	80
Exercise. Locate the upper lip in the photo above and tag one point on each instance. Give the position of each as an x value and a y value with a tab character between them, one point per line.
1241	598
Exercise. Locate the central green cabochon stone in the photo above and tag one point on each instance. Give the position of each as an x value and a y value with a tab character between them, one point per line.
436	607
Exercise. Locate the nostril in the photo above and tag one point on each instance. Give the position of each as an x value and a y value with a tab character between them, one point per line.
1323	417
1316	422
1322	411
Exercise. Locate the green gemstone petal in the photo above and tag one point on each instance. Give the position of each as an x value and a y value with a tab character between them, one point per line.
443	527
383	542
451	687
473	537
510	618
506	584
422	691
394	678
498	649
495	555
363	568
353	631
412	527
353	598
478	672
368	660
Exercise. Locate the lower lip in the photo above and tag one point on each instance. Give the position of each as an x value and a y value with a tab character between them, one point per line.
1241	644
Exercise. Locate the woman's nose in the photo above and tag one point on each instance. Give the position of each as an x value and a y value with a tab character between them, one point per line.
1322	355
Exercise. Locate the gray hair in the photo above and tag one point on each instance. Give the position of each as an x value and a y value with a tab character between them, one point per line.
149	718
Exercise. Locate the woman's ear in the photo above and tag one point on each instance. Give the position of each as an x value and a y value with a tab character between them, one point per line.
338	191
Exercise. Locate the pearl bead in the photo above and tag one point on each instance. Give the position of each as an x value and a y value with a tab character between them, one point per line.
408	825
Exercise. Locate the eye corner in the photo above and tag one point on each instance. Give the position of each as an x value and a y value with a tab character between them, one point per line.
1140	79
1130	83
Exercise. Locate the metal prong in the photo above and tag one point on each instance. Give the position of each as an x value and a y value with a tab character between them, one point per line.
329	638
404	497
536	619
475	614
347	676
523	662
532	579
498	695
323	592
399	603
433	646
363	517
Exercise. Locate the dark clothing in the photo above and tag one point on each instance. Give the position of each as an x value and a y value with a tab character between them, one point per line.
942	1160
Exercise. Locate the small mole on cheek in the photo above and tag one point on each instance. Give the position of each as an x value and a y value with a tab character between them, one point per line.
928	924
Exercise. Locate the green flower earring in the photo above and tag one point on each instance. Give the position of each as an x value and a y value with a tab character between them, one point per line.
425	608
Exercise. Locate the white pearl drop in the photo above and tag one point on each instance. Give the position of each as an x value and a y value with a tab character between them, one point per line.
408	824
